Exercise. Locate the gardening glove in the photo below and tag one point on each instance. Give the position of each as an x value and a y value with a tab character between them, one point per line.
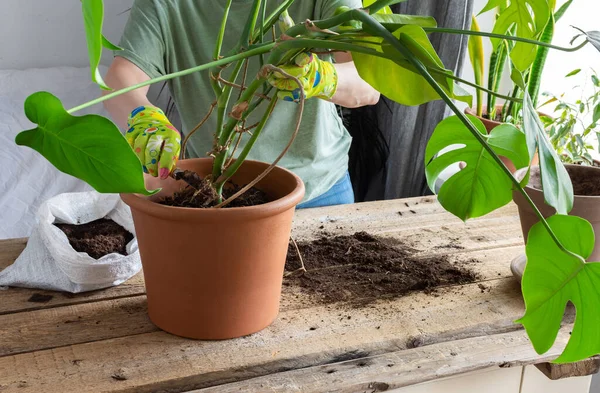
318	77
154	140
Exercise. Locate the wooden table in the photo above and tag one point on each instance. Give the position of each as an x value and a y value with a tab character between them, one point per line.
104	342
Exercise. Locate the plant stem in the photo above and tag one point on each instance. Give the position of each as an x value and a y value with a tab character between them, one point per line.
466	82
398	45
189	135
240	160
223	100
497	61
274	17
504	37
535	75
219	43
240	56
287	147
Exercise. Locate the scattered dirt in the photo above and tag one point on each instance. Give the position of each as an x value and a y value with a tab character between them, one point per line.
200	194
361	266
97	238
497	117
40	298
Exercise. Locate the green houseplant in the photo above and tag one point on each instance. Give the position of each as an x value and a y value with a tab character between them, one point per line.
570	130
569	134
520	57
400	45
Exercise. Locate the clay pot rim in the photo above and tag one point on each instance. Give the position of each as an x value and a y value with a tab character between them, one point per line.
141	202
473	112
518	175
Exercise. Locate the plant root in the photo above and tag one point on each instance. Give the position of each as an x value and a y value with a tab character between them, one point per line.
302	269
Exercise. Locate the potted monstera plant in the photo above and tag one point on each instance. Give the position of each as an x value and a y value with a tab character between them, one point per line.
378	41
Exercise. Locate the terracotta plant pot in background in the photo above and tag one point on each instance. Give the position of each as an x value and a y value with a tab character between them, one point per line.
489	126
216	273
584	206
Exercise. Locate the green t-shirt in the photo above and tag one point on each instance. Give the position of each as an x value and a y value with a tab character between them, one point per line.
165	36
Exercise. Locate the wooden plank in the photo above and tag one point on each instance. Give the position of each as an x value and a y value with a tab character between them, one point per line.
79	323
299	338
402	368
429	229
560	371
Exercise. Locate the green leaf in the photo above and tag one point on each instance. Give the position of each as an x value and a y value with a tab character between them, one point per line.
89	147
395	21
476	55
401	82
594	38
528	24
552	278
595	80
556	183
482	186
574	72
492	4
380	6
93	15
561	11
109	45
596	115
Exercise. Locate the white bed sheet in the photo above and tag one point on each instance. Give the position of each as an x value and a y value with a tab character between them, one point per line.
26	178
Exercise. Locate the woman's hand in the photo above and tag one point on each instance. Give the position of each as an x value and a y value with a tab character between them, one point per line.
154	140
318	77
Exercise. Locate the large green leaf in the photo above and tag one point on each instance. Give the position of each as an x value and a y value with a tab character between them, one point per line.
392	22
401	82
93	17
482	186
552	278
529	18
89	147
556	183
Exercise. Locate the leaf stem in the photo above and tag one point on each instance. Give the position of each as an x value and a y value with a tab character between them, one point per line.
258	49
504	37
396	43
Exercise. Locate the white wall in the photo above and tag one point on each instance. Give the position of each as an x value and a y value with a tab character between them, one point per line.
48	33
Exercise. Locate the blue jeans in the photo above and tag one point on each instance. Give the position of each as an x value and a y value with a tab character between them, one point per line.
340	194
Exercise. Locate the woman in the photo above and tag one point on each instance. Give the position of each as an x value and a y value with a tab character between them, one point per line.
165	36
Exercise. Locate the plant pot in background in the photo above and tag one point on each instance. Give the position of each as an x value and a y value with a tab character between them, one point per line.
584	206
489	126
216	273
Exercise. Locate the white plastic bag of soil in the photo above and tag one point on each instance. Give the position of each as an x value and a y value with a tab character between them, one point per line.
49	262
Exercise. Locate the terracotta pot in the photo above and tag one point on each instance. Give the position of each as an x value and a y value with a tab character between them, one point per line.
489	126
587	207
216	273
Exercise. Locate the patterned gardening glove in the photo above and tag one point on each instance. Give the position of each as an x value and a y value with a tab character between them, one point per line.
154	140
318	77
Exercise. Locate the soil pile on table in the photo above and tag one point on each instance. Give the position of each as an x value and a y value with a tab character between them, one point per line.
361	266
200	194
97	238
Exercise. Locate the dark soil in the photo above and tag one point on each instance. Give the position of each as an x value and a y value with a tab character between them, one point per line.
200	194
97	238
498	116
361	266
586	181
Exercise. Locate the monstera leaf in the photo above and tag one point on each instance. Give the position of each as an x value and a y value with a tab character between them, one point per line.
553	278
400	82
482	186
89	147
556	183
529	18
93	18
